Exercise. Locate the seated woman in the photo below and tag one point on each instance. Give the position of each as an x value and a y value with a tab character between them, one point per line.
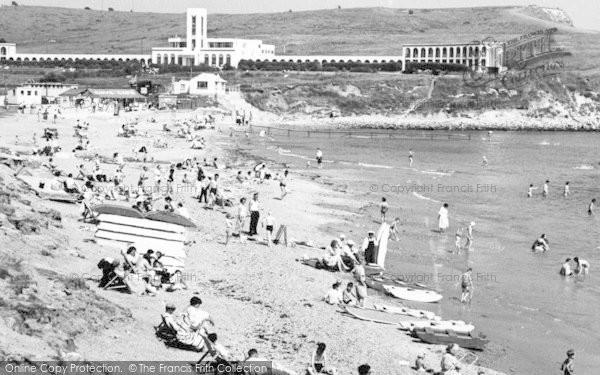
333	260
318	363
132	259
183	334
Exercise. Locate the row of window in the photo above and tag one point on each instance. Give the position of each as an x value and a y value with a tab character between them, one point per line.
470	52
23	92
208	60
220	44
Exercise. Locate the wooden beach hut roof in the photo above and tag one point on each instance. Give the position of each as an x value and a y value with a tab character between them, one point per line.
114	94
73	92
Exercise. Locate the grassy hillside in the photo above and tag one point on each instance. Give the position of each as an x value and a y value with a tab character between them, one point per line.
339	31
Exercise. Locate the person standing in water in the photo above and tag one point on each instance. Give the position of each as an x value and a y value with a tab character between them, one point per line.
469	243
410	157
530	191
545	188
457	243
466	284
443	218
567	365
384	208
484	162
565	270
541	244
319	158
592	206
582	266
567	190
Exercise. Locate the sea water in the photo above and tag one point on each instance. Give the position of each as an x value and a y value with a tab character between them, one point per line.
531	314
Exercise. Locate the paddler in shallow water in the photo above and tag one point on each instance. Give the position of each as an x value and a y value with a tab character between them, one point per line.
541	244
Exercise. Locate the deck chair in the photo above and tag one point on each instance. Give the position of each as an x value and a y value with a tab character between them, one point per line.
110	279
168	335
88	214
215	360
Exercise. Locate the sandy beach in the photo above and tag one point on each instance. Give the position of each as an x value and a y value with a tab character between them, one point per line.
259	297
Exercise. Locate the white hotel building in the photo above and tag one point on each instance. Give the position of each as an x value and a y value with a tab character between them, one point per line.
197	48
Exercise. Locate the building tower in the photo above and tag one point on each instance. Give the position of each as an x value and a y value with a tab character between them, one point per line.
196	28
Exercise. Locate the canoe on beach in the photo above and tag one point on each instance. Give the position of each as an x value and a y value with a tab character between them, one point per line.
410	294
390	309
399	282
457	326
464	340
377	316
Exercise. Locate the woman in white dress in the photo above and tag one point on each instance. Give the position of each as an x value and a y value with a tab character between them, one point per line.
443	218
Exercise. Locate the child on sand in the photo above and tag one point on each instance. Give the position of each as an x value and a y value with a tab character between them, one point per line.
348	297
384	209
228	228
334	296
457	243
318	362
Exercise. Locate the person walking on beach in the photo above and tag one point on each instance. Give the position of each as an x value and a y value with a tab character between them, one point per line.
466	283
319	158
592	206
530	191
410	157
443	218
254	214
567	191
283	180
545	188
567	365
269	224
384	207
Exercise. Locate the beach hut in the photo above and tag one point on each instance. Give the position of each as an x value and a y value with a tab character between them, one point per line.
125	97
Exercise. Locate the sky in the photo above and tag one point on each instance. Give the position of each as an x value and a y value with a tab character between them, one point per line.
584	13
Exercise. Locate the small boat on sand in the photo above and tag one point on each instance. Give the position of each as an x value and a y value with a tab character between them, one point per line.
410	294
464	340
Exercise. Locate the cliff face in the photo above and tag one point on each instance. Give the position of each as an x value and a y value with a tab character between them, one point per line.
549	14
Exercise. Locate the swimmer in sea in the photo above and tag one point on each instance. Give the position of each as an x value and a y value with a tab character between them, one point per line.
410	157
567	191
582	266
565	270
541	244
545	188
530	191
466	283
591	207
319	158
